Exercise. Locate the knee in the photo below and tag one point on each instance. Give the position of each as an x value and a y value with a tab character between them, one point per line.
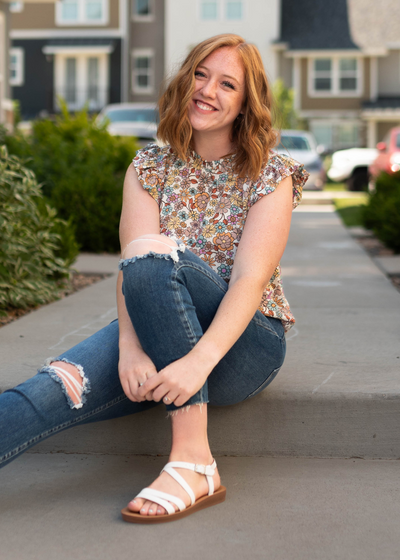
72	380
154	242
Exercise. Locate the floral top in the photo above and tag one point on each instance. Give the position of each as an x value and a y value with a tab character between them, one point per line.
205	204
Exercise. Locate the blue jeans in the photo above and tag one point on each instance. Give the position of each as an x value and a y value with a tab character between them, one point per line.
171	302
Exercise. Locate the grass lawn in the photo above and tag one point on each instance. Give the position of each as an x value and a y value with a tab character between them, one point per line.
335	187
350	209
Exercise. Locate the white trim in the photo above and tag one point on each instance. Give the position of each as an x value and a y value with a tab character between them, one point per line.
148	18
297	83
78	49
335	91
373	79
324	53
62	33
82	20
16	7
124	27
380	114
19	53
82	85
329	114
372	134
148	53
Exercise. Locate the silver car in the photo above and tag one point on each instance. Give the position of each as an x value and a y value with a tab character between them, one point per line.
130	119
302	147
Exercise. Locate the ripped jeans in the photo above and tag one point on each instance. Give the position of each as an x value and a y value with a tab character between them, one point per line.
171	300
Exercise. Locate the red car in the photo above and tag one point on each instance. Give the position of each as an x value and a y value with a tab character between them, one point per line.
388	158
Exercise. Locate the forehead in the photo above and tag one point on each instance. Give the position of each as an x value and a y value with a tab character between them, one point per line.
226	60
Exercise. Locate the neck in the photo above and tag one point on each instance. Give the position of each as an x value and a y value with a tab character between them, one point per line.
212	146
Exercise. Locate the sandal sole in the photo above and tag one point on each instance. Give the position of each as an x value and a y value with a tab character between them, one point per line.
206	501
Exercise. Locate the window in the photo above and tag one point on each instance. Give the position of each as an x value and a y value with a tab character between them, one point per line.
16	67
234	9
208	9
143	10
335	77
142	72
82	12
16	7
336	135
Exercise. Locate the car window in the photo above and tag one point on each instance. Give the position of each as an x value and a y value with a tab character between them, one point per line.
398	141
294	143
132	115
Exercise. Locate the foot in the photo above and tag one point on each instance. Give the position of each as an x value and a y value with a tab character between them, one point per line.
166	483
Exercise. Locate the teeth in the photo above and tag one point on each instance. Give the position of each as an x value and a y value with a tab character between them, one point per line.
204	107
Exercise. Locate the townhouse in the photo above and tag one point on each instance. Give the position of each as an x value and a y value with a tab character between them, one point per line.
343	60
5	102
71	49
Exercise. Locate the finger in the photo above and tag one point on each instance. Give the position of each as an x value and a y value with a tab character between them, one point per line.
161	391
181	400
134	387
149	385
170	398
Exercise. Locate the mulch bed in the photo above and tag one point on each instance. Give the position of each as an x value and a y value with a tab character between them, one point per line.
78	282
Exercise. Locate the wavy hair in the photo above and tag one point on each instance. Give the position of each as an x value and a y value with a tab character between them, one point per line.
252	132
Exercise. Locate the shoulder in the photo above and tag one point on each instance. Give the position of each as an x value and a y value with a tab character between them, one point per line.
152	156
277	168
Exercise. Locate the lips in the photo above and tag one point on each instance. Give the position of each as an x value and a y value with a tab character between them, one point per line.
204	106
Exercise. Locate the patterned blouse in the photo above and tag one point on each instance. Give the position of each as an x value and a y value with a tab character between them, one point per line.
205	204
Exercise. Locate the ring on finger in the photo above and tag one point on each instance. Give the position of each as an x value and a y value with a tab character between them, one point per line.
167	400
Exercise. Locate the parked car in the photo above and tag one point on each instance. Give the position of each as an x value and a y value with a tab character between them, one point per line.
130	119
388	156
302	147
351	166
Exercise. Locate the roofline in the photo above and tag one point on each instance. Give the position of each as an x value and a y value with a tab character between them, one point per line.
318	52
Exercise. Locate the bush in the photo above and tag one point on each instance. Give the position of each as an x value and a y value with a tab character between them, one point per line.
36	247
382	213
82	168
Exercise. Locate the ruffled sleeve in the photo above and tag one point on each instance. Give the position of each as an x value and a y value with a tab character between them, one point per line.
277	168
151	167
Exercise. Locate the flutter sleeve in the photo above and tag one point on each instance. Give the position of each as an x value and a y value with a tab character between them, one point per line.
276	169
151	167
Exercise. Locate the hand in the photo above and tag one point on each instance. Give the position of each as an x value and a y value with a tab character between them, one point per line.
134	368
179	381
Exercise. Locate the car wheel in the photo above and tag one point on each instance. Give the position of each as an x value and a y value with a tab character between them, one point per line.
358	181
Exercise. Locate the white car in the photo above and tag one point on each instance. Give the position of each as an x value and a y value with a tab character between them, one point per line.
351	166
302	147
130	119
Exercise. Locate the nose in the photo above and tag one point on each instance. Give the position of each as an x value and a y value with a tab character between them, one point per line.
209	89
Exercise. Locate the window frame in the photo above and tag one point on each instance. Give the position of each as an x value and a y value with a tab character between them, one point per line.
16	7
150	17
222	6
82	20
141	53
335	90
19	80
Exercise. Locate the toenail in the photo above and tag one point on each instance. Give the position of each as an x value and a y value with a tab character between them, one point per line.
158	511
143	510
150	511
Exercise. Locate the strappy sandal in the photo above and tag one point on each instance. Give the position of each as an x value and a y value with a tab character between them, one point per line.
163	499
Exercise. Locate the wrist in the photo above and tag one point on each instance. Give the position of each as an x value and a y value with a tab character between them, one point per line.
207	354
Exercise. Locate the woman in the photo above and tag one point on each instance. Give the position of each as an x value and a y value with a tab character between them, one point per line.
194	216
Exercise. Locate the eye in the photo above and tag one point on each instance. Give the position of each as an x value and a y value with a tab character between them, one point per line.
228	84
199	74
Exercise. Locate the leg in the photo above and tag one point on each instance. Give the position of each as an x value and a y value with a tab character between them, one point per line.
44	405
171	302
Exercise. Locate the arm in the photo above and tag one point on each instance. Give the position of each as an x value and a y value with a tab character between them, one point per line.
261	247
139	216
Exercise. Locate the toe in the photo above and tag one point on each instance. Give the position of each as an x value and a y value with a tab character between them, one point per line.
161	510
144	510
136	504
153	509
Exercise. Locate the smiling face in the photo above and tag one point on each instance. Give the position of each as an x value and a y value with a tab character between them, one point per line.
219	93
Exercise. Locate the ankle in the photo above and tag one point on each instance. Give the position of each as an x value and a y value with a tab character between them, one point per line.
201	456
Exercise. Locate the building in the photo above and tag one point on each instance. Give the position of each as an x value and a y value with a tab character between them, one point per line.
189	22
76	50
5	102
343	60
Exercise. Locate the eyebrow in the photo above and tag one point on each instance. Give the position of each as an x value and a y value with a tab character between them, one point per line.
225	75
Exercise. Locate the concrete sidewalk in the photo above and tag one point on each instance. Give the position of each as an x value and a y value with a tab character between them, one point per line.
338	394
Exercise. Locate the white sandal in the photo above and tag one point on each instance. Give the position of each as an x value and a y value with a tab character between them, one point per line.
163	499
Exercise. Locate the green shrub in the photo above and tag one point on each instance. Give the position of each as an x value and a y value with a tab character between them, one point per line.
81	167
382	213
34	256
